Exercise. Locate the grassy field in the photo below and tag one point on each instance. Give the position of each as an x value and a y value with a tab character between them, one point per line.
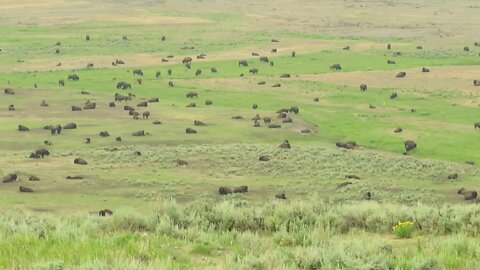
168	216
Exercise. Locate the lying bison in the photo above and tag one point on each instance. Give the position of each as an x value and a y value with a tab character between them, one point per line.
70	126
76	108
224	191
285	145
138	133
208	102
240	189
23	128
476	83
90	106
9	178
199	123
142	104
80	161
281	196
152	100
25	189
401	74
190	131
409	145
104	134
9	91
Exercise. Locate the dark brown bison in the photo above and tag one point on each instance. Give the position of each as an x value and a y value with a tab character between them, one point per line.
264	59
389	46
154	100
237	117
281	196
112	104
187	60
470	195
90	65
344	184
44	104
47	142
33	178
123	85
191	94
87	140
476	83
294	109
352	176
285	75
261	83
213	70
393	95
198	72
119	62
142	104
240	189
277	85
11	107
170	83
367	196
424	69
306	131
42	152
363	87
104	134
224	191
409	145
287	120
470	162
138	133
453	176
419	47
256	124
87	37
76	177
274	126
105	213
90	106
254	106
401	74
294	54
73	77
181	162
243	63
76	108
336	67
61	82
80	161
316	99
466	48
198	123
9	178
285	145
391	62
346	48
23	128
118	139
128	108
146	114
255	54
208	102
274	50
157	122
190	131
476	125
9	91
476	43
398	130
25	189
192	105
253	71
138	72
264	158
85	93
164	60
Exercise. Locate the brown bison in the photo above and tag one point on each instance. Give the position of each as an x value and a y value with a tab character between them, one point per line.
476	125
138	72
363	87
243	63
142	104
391	62
294	54
344	184
352	176
154	100
23	128
285	75
44	104
208	102
336	67
285	145
393	95
170	83
367	196
187	60
76	108
80	161
470	195
198	123
9	178
281	196
424	70
11	107
254	106
25	189
453	176
401	74
9	91
409	145
264	158
277	85
33	178
191	94
389	46
240	189
105	213
104	134
42	152
476	83
73	77
181	162
61	83
190	131
264	59
146	114
398	130
213	70
253	71
89	106
138	133
224	191
123	85
192	105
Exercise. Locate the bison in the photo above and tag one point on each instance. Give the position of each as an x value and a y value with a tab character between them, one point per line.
224	191
104	134
187	60
138	72
285	145
138	133
240	189
243	63
264	59
198	72
105	213
363	87
80	161
409	145
76	108
336	67
208	102
73	77
9	178
401	74
146	114
89	106
253	71
281	196
142	104
453	176
190	131
9	91
198	123
191	94
476	83
42	152
25	189
61	83
44	104
23	128
424	70
393	95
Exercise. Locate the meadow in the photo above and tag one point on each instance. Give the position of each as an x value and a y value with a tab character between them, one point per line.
170	216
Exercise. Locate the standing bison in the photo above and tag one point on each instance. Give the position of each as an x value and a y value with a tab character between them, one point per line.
363	87
187	60
138	72
409	145
73	77
243	63
336	67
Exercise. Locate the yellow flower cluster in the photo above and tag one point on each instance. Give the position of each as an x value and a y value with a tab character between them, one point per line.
402	224
403	229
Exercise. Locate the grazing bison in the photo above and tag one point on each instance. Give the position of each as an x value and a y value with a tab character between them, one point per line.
294	109
476	125
146	114
105	213
9	178
33	178
119	97
25	189
213	70
367	196
274	50
253	71
85	93
198	72
476	83
118	139
190	131
243	63
336	67
398	130
169	71
42	152
425	70
316	99
158	73
47	142
138	133
363	87
393	95
11	107
240	189
264	59
470	195
9	91
104	134
254	106
73	77
181	162
409	145
61	82
466	48
285	145
208	102
191	94
352	176
123	85
453	176
90	65
138	72
142	104
389	46
224	191
187	60
281	196
23	128
89	106
198	123
294	54
264	158
391	62
154	100
170	83
70	126
135	114
87	37
401	74
80	161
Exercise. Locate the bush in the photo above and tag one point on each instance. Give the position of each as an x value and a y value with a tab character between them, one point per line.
403	229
